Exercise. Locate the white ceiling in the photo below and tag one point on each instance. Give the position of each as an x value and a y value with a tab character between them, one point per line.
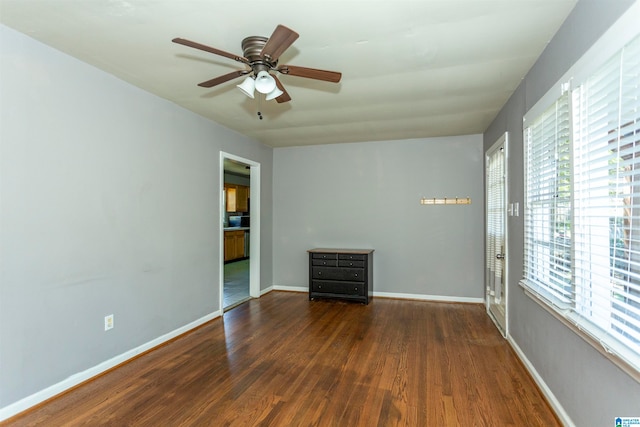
410	69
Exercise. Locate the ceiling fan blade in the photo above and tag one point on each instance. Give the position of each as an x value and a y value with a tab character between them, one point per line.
279	41
285	96
311	73
224	78
210	49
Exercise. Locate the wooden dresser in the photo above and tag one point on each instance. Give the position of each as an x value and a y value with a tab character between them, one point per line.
341	273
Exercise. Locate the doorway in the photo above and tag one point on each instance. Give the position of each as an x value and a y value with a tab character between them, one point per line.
496	233
240	230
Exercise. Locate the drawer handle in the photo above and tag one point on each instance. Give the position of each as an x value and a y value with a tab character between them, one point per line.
319	273
319	286
356	275
350	264
356	289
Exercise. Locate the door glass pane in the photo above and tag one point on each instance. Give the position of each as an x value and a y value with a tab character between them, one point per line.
495	239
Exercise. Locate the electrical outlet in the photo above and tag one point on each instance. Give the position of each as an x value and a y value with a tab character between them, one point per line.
108	322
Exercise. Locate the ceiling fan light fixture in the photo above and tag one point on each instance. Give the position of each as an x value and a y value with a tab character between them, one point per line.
247	86
260	57
265	83
273	94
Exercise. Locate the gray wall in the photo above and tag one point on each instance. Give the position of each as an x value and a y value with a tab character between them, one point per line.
110	204
591	389
366	195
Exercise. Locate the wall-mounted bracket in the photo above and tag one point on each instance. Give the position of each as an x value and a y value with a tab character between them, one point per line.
445	201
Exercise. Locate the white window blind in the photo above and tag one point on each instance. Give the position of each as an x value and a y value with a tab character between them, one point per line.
495	212
606	121
582	205
547	252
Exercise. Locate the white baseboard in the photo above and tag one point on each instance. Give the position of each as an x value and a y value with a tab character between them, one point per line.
421	297
64	385
266	290
291	288
387	295
555	404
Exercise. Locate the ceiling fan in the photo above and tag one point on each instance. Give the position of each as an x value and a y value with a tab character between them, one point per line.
261	55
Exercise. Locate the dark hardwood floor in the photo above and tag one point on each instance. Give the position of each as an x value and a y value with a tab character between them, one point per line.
283	360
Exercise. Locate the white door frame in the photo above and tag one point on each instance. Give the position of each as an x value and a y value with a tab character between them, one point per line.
254	242
503	141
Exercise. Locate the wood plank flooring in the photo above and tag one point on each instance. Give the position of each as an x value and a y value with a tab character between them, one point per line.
283	360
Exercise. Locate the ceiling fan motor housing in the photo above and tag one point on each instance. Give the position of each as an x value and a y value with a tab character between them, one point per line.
252	48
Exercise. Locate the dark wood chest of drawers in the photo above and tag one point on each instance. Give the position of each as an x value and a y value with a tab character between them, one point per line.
341	273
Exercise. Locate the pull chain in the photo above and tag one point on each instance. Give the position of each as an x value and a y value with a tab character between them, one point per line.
259	106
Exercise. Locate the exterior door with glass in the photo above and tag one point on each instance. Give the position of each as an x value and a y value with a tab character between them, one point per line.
496	233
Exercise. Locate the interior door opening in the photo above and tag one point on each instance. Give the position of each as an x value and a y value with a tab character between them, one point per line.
240	220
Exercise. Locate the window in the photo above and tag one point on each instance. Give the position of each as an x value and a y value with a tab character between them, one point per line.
547	266
582	204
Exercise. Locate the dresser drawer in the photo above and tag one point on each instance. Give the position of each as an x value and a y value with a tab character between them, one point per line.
352	257
333	273
345	263
324	256
325	262
336	287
